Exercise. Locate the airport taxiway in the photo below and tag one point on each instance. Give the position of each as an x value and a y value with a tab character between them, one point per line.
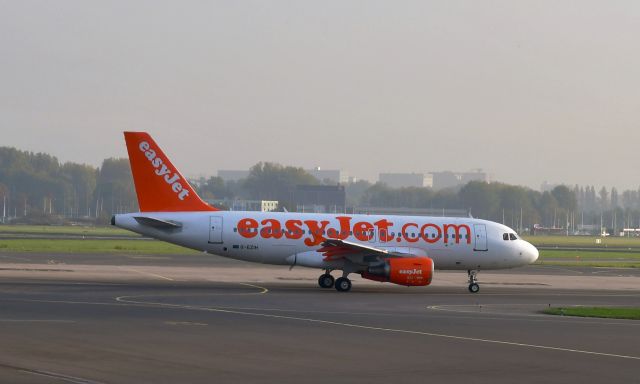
204	319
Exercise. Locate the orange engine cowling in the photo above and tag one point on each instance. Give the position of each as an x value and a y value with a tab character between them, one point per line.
410	271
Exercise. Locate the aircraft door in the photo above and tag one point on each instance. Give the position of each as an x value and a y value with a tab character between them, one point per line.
215	230
480	231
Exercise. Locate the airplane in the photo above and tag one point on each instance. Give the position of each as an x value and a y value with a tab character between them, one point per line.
402	250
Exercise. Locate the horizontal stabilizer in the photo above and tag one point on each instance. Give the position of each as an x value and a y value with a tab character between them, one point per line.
157	223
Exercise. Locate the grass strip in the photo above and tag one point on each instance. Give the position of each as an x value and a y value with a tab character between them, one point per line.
581	255
91	246
65	230
603	312
583	241
596	264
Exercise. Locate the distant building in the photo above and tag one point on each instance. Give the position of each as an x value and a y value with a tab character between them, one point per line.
332	175
246	205
233	175
448	179
411	211
466	177
548	187
541	230
588	229
403	180
320	198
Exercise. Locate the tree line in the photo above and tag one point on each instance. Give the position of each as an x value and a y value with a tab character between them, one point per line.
37	187
573	209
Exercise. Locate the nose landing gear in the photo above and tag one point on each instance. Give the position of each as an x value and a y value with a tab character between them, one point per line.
473	281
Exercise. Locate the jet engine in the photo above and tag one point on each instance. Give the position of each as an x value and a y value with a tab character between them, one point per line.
409	271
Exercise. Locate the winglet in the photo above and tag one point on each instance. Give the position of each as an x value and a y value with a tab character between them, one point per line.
159	185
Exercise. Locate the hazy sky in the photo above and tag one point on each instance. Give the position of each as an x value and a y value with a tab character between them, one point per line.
526	90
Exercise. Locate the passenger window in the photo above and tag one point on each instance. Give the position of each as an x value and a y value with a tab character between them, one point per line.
512	236
505	236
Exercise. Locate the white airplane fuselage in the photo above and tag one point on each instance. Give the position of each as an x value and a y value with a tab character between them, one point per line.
402	250
294	238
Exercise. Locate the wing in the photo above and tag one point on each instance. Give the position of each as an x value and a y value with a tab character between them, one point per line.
334	249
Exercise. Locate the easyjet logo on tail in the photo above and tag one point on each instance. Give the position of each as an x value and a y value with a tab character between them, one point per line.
169	176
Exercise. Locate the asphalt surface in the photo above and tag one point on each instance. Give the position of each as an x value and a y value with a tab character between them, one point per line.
212	261
150	328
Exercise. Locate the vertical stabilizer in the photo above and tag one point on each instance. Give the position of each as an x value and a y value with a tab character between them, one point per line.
159	185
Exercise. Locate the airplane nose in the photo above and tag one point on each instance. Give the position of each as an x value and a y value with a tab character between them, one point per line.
532	253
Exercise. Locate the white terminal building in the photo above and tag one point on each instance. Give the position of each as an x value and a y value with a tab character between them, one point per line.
335	176
245	205
404	180
435	180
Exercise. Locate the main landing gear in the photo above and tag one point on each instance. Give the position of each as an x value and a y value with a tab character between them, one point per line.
326	280
342	284
473	281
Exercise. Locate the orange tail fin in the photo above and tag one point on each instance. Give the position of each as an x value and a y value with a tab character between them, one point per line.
159	185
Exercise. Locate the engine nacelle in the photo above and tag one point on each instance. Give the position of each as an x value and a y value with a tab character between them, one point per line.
409	271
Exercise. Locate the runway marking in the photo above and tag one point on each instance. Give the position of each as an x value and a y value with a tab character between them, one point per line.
539	293
59	376
147	273
91	283
538	316
36	321
149	257
321	312
126	299
49	374
263	289
79	302
184	323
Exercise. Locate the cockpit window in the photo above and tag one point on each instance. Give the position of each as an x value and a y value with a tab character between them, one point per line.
513	236
505	236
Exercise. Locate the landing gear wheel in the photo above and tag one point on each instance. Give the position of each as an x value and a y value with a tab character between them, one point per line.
343	284
473	281
326	281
